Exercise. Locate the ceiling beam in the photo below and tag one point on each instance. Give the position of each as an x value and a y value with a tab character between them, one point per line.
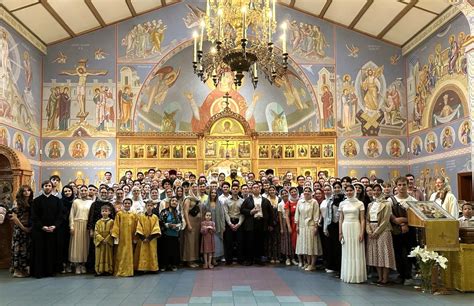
131	8
325	8
397	18
95	12
426	10
58	18
24	7
361	13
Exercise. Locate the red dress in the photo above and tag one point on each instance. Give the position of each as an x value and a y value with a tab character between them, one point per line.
291	207
207	242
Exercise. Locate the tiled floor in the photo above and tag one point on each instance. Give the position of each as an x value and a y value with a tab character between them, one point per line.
222	286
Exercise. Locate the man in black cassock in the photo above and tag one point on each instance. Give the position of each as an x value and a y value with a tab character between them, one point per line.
46	217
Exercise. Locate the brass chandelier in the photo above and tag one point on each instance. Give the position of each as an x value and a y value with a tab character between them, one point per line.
241	36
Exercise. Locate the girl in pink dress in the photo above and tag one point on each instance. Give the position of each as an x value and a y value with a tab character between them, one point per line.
208	245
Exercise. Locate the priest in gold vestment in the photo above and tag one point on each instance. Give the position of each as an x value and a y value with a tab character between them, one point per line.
148	230
104	243
123	231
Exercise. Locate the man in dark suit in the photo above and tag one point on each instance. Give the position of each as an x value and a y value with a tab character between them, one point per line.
258	214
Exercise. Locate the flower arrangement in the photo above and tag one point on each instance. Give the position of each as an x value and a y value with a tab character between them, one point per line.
428	261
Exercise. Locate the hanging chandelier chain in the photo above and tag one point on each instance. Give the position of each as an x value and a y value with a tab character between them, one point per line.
241	36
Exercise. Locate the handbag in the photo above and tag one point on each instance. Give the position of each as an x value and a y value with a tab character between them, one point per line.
195	210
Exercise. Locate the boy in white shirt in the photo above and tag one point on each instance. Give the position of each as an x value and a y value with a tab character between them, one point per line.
467	219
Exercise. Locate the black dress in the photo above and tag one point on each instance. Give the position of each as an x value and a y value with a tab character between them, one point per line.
46	211
334	251
21	240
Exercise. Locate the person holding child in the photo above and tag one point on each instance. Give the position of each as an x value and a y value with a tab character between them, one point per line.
104	243
208	245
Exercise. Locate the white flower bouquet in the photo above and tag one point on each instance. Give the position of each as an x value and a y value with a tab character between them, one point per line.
428	260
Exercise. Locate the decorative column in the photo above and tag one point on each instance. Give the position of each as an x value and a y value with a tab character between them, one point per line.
467	8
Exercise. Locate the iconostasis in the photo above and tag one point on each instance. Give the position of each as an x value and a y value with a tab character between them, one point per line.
227	140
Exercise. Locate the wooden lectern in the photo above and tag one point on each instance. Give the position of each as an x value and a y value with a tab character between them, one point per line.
440	229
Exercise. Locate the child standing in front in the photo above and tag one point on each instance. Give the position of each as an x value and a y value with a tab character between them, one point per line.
208	245
123	231
104	243
148	230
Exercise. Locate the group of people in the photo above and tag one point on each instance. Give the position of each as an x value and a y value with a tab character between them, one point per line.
162	219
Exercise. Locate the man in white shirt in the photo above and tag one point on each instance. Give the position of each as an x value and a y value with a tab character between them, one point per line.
233	220
467	219
225	192
108	179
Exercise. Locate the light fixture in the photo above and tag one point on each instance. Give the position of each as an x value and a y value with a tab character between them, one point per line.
241	37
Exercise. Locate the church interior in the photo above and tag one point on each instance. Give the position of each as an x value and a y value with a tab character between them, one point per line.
357	88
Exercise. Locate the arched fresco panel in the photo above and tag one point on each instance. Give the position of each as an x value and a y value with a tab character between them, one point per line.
173	99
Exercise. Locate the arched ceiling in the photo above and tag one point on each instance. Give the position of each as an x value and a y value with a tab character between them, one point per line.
393	21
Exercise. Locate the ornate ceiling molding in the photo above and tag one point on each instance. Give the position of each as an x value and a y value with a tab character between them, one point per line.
21	29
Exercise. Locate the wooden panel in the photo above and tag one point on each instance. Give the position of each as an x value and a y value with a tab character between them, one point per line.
112	10
16	4
143	6
379	15
344	12
434	6
40	21
79	19
409	25
310	6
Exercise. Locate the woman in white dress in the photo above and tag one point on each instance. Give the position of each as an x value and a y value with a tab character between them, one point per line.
351	235
79	243
444	197
306	220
